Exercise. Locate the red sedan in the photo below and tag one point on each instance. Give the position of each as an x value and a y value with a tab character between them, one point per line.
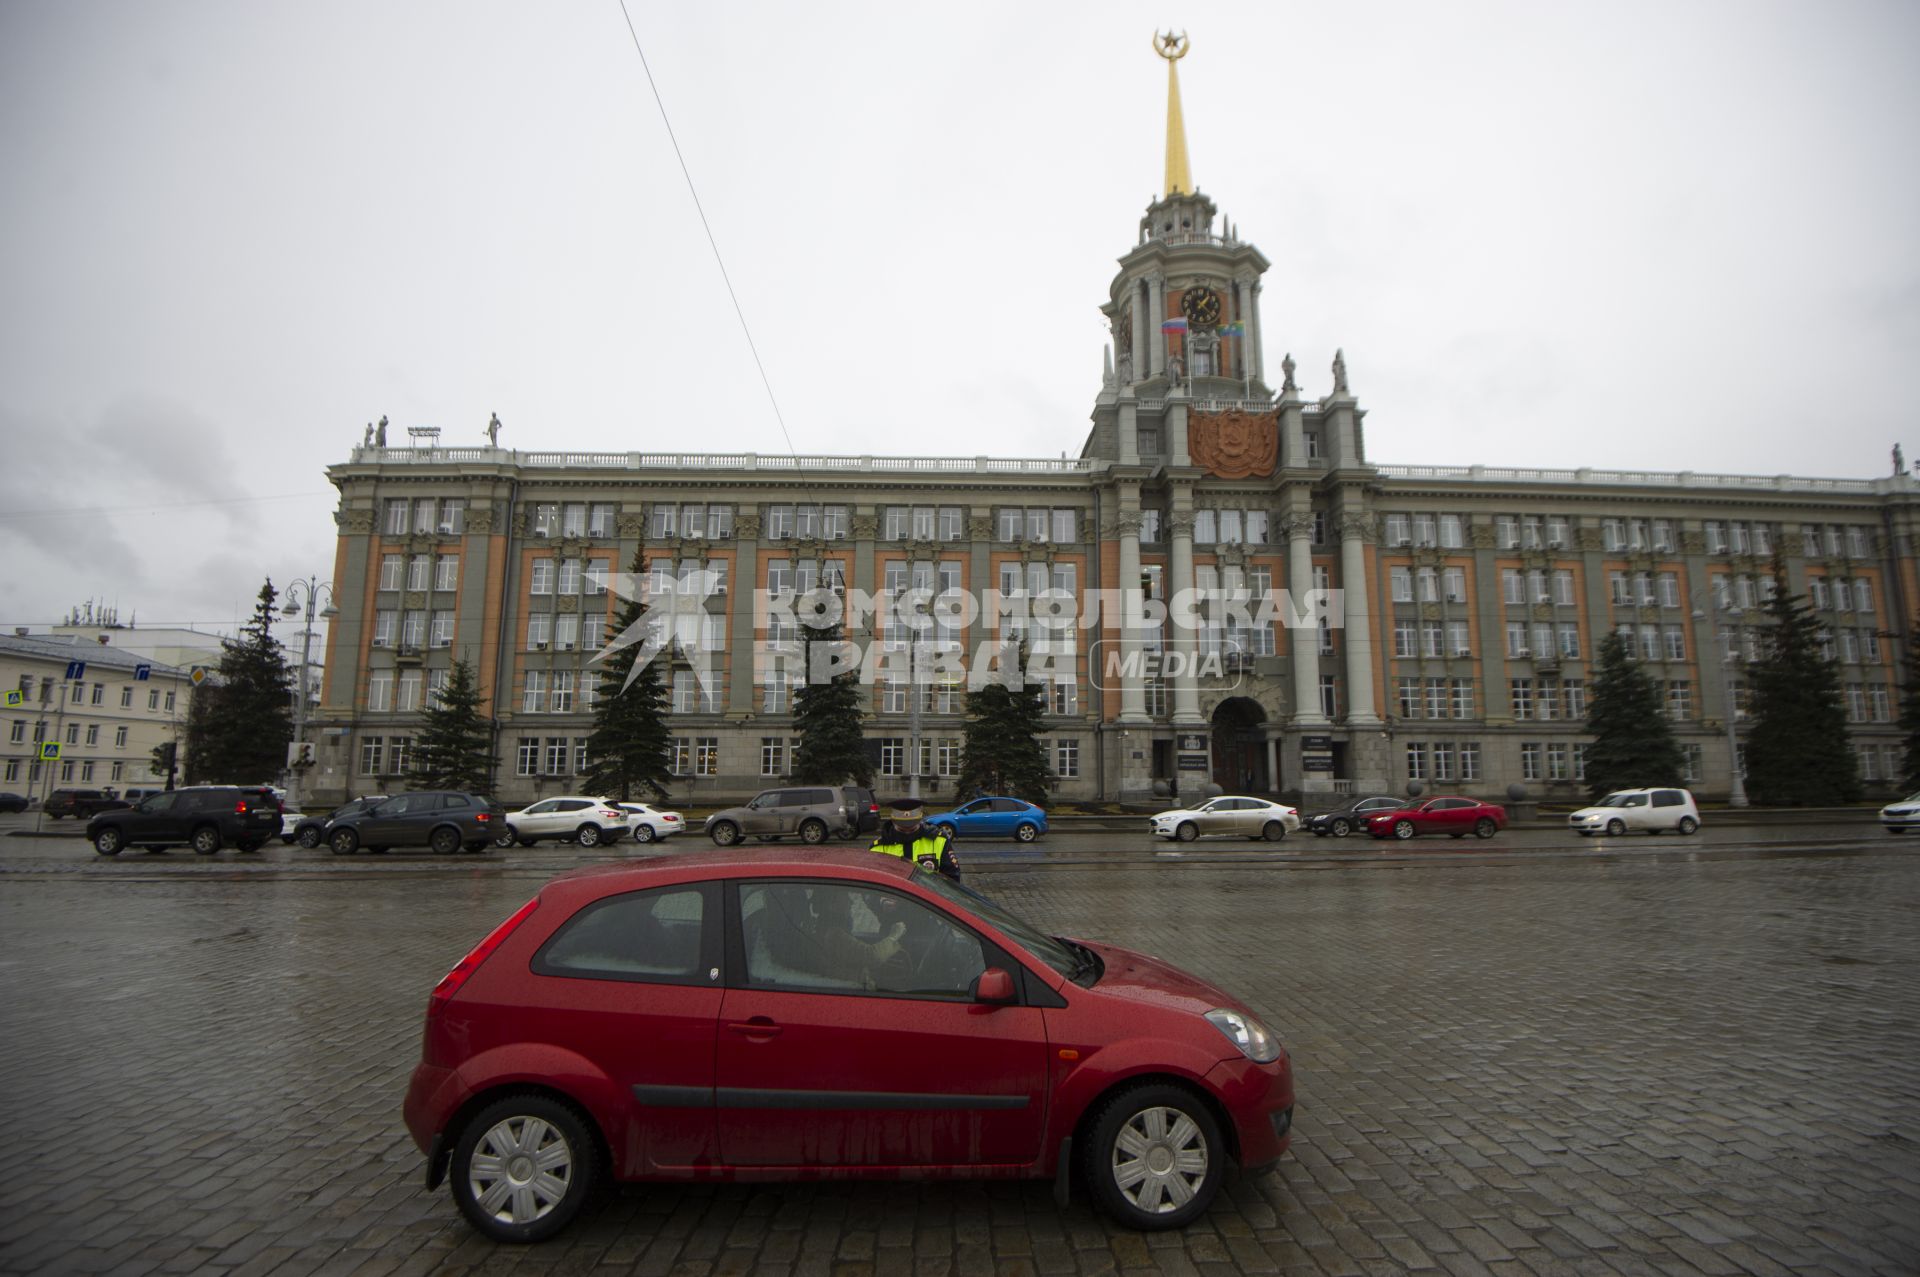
1454	817
814	1015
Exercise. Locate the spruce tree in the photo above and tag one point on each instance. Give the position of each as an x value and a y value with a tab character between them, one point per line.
827	717
631	748
454	749
1004	754
1633	743
1910	713
240	723
1797	752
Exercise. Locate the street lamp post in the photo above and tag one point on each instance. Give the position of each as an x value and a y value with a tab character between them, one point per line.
1737	787
306	598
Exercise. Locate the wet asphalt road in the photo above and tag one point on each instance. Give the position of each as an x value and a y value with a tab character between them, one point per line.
1539	1054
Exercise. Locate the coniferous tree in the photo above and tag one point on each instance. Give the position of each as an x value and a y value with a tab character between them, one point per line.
631	748
454	749
827	717
1633	744
240	723
1797	752
1004	754
1910	713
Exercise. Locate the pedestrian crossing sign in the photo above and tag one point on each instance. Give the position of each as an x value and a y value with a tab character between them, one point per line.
15	698
50	751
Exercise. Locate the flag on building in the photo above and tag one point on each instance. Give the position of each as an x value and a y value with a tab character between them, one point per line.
1173	325
1234	330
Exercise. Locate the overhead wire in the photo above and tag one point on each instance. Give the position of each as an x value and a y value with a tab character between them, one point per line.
738	310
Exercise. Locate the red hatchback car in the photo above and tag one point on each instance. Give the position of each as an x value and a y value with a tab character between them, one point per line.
812	1015
1454	817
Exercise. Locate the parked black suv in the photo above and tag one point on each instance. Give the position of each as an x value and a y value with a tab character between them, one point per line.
312	830
204	817
80	802
863	810
438	819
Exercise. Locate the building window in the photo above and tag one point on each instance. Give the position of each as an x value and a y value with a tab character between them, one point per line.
380	691
1329	696
562	699
386	626
1521	692
540	580
446	572
533	698
408	698
527	756
773	756
1416	760
893	756
554	757
1066	759
373	753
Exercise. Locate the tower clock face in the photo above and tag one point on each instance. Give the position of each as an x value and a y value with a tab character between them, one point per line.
1201	306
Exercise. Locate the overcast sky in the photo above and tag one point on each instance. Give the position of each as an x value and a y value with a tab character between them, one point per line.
1639	235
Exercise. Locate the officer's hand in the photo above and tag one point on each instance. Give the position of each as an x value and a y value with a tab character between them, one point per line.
889	944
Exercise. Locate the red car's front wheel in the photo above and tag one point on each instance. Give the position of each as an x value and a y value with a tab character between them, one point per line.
1403	829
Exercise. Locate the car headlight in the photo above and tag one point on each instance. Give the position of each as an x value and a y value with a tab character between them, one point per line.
1247	1033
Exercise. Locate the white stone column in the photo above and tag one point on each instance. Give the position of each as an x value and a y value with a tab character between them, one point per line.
1243	312
1358	638
1185	641
1253	330
1304	642
1156	311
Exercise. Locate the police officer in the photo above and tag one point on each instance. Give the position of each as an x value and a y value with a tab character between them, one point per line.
904	836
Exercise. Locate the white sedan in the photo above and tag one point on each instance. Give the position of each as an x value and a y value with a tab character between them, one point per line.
650	823
1228	816
1899	817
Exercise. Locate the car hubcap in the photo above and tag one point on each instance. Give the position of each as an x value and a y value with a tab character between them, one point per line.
1159	1160
521	1169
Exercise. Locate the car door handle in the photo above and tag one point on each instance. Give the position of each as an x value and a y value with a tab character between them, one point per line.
758	1027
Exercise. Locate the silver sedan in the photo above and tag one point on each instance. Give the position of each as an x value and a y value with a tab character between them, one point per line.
1229	816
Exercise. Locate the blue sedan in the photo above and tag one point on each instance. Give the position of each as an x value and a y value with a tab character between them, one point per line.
993	818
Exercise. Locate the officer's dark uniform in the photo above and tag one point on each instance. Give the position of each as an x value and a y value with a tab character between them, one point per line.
931	850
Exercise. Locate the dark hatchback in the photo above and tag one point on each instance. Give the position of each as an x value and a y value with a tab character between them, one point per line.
80	802
204	817
1350	817
312	830
443	821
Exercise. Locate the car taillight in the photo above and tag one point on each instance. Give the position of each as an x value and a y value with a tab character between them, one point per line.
613	815
450	982
240	808
483	817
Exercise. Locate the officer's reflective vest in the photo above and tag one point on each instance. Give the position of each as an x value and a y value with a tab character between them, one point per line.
923	851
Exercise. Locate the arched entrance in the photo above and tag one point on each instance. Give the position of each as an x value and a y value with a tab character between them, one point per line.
1240	747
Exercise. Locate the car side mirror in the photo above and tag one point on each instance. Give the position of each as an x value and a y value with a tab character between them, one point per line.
994	985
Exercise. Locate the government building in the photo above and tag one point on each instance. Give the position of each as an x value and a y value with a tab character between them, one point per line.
1470	600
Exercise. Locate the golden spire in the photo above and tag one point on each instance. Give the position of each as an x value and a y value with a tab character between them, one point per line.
1174	47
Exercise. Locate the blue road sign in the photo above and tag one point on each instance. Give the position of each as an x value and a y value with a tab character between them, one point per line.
76	669
141	673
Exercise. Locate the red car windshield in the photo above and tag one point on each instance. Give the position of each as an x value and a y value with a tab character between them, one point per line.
1055	953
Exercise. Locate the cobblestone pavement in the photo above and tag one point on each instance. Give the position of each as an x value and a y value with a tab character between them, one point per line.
1659	1062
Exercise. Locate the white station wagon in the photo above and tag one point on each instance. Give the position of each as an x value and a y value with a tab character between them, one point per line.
1630	810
